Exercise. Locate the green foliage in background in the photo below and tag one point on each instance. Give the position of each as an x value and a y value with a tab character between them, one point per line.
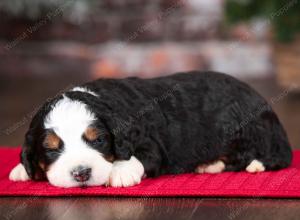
284	15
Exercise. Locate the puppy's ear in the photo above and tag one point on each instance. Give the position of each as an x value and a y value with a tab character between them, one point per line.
31	147
123	145
29	158
123	148
27	155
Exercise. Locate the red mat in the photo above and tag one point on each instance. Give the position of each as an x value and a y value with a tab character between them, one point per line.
279	184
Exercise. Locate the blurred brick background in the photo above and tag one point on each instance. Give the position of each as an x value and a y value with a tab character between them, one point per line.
135	37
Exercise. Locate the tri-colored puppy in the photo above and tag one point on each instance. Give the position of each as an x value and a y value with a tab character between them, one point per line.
116	131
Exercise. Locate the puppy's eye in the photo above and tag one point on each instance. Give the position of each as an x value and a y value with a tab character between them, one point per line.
51	153
98	141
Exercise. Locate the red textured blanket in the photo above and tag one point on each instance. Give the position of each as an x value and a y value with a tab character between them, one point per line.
279	184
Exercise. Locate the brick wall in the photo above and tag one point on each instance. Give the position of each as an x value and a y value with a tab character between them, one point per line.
131	20
133	37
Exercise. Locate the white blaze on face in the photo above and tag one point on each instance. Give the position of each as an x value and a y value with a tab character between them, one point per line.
69	119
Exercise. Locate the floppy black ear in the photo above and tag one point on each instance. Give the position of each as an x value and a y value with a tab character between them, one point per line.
29	158
123	148
27	155
30	149
123	142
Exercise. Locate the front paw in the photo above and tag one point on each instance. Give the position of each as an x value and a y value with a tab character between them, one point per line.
126	173
18	173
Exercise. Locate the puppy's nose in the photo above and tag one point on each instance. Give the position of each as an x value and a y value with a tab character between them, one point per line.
81	173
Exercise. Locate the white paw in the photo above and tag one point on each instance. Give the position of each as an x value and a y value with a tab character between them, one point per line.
255	166
126	173
18	173
216	167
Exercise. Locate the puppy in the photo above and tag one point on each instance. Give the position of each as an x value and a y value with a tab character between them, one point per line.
116	131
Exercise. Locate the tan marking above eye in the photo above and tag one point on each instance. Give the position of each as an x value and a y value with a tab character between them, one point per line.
91	133
52	141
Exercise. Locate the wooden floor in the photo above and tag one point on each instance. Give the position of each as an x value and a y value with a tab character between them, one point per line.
147	208
20	99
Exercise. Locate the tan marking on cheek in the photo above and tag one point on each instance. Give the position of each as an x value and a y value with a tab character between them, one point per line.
91	133
52	141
